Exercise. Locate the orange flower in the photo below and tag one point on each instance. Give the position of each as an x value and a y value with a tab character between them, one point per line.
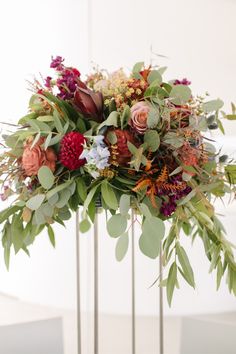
189	157
35	157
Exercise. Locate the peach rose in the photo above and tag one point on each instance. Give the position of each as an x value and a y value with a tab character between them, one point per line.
35	157
139	115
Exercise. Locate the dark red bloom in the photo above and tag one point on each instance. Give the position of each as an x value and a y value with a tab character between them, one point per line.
70	150
48	82
120	153
88	102
182	82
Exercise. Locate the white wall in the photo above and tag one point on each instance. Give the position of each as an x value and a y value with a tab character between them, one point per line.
198	39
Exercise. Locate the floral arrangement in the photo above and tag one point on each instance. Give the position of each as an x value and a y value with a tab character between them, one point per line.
120	141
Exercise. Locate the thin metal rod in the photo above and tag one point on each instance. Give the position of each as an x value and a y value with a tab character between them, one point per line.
133	282
161	310
79	349
96	309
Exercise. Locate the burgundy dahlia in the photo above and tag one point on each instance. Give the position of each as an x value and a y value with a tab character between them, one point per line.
70	150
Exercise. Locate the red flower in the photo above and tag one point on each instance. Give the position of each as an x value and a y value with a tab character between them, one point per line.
70	150
120	154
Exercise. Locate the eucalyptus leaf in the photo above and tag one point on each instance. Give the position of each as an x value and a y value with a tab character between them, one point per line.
116	225
45	118
212	106
171	282
46	177
180	94
220	274
39	217
89	198
144	210
136	70
185	264
51	235
122	246
124	204
47	141
52	201
125	117
35	202
81	188
112	120
57	121
154	75
109	195
64	197
188	197
153	230
17	234
152	139
57	189
84	225
153	118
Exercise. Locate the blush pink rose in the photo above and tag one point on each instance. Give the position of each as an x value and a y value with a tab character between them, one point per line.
139	115
35	157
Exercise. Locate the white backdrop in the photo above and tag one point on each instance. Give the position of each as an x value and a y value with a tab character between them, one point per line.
198	39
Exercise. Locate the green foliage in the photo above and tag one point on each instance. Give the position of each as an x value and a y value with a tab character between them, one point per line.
46	177
231	173
171	282
112	120
124	204
212	106
173	140
109	195
125	117
154	76
51	235
153	118
152	139
84	225
35	202
153	231
186	269
136	69
138	156
122	246
81	188
117	225
180	94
